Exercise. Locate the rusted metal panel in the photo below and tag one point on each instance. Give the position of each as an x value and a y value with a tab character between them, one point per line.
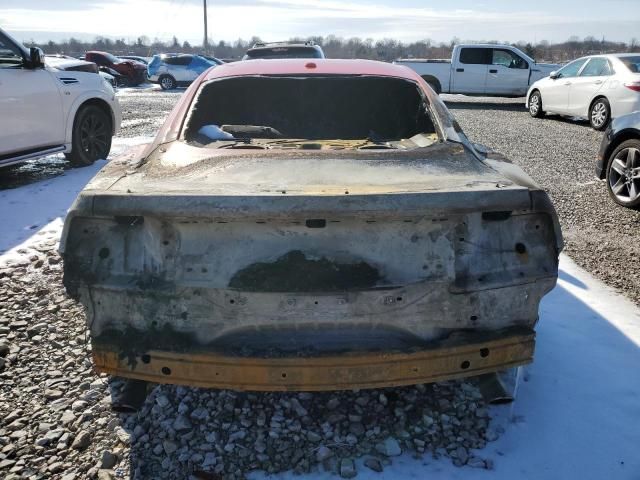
344	372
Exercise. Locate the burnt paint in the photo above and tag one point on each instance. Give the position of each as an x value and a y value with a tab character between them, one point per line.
294	272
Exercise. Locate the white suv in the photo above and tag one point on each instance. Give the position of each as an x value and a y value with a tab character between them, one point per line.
44	110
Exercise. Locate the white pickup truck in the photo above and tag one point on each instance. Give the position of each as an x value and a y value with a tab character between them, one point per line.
481	69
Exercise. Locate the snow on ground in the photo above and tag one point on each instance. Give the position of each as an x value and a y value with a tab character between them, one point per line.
577	413
27	209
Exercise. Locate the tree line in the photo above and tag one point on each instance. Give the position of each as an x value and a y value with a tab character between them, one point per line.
337	47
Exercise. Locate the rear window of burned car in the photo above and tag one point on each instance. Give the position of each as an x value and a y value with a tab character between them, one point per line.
314	107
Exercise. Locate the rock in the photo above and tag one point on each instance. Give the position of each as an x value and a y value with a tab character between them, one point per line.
169	447
313	437
199	414
53	394
210	459
104	474
323	453
462	454
18	434
182	424
67	417
390	447
347	468
82	440
374	464
476	462
356	428
108	459
123	435
333	403
79	405
298	408
162	401
4	347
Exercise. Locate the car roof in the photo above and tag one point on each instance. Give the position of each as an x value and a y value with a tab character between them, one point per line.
302	66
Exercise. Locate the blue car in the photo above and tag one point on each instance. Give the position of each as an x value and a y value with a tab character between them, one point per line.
178	70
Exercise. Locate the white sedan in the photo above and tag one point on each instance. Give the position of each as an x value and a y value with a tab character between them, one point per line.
598	87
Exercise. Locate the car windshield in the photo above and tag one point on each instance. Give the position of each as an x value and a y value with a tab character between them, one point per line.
632	63
283	52
315	112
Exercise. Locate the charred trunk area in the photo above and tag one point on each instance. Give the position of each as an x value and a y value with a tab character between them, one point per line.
317	108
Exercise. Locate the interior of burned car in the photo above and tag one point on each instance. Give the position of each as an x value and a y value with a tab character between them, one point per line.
373	110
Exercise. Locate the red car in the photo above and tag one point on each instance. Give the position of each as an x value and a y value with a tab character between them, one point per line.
310	224
134	73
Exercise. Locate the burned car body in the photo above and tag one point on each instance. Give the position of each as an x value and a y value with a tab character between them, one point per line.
303	225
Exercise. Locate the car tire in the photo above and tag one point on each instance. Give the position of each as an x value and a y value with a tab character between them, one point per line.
91	138
535	105
622	167
600	114
167	82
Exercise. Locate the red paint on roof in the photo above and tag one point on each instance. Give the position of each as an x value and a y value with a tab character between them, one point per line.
298	66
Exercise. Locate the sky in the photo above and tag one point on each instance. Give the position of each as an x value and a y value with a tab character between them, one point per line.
271	20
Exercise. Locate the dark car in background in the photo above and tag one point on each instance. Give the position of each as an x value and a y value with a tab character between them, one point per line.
276	50
136	58
619	160
133	72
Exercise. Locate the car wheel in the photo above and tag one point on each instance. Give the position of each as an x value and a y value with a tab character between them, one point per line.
535	105
623	174
167	82
600	114
91	138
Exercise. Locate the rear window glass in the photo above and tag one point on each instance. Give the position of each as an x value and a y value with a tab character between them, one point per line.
596	67
283	52
318	108
475	56
632	63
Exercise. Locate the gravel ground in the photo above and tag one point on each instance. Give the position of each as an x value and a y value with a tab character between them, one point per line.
55	416
560	154
56	421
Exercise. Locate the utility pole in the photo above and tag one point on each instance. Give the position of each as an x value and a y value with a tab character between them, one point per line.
205	45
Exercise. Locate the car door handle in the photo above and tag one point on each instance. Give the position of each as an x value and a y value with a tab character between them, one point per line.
597	82
459	69
493	71
567	83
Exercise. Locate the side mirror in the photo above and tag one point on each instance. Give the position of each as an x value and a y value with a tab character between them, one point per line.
36	58
553	75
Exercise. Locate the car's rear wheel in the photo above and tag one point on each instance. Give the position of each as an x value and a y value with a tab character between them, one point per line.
535	105
623	174
600	114
91	138
167	82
